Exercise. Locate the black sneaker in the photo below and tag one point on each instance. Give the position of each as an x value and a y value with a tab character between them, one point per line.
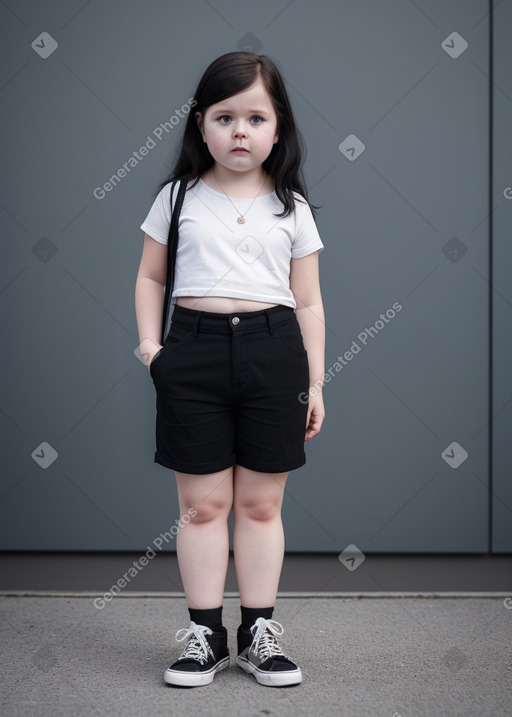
205	654
264	658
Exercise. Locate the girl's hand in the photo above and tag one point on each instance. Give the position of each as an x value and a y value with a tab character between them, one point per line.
148	349
152	355
316	414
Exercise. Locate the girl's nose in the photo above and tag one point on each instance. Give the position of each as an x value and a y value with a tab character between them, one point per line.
240	131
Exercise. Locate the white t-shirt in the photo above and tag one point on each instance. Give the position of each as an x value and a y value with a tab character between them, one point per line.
216	256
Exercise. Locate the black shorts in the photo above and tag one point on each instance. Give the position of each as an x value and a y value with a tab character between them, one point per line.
231	389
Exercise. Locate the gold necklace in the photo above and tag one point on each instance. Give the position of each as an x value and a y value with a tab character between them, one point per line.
241	219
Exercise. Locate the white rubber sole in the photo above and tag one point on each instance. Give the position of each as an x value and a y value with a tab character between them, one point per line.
270	679
194	679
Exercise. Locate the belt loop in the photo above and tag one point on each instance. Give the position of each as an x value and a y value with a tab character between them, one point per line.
270	318
196	323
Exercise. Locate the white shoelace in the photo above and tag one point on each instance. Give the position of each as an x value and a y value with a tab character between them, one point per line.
265	642
198	648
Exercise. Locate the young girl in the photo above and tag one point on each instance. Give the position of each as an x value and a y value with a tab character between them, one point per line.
246	343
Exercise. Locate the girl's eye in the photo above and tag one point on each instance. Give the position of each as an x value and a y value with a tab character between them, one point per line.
254	117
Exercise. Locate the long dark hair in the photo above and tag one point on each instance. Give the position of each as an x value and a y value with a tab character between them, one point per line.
226	76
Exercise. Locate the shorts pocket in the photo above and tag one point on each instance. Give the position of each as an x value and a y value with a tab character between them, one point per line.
155	359
290	336
177	335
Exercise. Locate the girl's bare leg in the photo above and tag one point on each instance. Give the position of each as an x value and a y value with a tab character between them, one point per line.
258	535
203	544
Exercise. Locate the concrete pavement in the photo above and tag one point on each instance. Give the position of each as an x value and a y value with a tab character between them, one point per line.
360	656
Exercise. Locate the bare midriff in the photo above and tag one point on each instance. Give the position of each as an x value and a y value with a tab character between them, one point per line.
221	304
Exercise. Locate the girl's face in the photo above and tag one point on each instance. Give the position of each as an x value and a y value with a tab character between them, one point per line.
246	120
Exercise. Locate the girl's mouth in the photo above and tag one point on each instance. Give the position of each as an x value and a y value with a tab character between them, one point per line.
240	149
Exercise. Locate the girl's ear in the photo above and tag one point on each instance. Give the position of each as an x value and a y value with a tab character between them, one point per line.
199	120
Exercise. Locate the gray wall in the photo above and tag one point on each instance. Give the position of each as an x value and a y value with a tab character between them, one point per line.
500	289
406	221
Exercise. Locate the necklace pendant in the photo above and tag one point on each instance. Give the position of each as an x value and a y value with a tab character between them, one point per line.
241	220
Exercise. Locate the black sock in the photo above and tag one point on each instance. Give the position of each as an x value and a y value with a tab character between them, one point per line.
244	635
250	614
211	618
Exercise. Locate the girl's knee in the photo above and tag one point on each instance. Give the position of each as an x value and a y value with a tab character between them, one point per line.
261	511
208	511
206	498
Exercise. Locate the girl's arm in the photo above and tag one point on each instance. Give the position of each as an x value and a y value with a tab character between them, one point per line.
149	296
305	286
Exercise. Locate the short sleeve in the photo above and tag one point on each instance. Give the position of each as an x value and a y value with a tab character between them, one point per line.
158	221
307	239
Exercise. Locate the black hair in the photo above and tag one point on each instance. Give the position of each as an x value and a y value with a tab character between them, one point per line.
228	75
